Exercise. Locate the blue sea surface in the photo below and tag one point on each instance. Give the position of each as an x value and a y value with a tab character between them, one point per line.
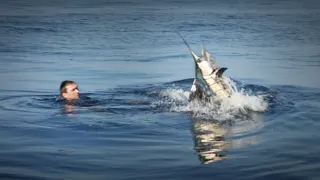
134	120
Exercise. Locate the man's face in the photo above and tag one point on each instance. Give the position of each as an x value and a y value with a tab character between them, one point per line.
72	92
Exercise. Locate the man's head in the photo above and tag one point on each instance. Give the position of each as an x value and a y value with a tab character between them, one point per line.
69	90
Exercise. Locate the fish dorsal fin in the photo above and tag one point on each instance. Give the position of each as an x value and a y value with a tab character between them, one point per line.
205	53
202	49
209	57
220	71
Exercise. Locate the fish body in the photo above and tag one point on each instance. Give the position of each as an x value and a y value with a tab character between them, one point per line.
209	79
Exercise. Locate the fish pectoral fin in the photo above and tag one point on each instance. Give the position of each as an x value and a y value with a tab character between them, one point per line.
220	71
194	86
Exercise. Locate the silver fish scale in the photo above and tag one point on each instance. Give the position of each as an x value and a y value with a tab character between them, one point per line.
217	85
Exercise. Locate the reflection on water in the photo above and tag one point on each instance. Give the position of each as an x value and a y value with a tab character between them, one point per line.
213	139
210	140
99	104
69	109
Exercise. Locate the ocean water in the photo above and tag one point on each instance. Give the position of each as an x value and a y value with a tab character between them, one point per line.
134	120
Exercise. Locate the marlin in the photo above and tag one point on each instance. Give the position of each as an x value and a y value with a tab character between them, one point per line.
209	79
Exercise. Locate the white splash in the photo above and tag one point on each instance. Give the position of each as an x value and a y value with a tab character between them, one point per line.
219	109
175	94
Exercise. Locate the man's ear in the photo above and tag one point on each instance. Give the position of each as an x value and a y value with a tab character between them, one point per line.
63	95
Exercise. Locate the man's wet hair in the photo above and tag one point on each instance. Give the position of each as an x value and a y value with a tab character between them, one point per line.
63	85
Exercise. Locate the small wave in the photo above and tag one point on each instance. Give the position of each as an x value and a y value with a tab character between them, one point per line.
27	103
